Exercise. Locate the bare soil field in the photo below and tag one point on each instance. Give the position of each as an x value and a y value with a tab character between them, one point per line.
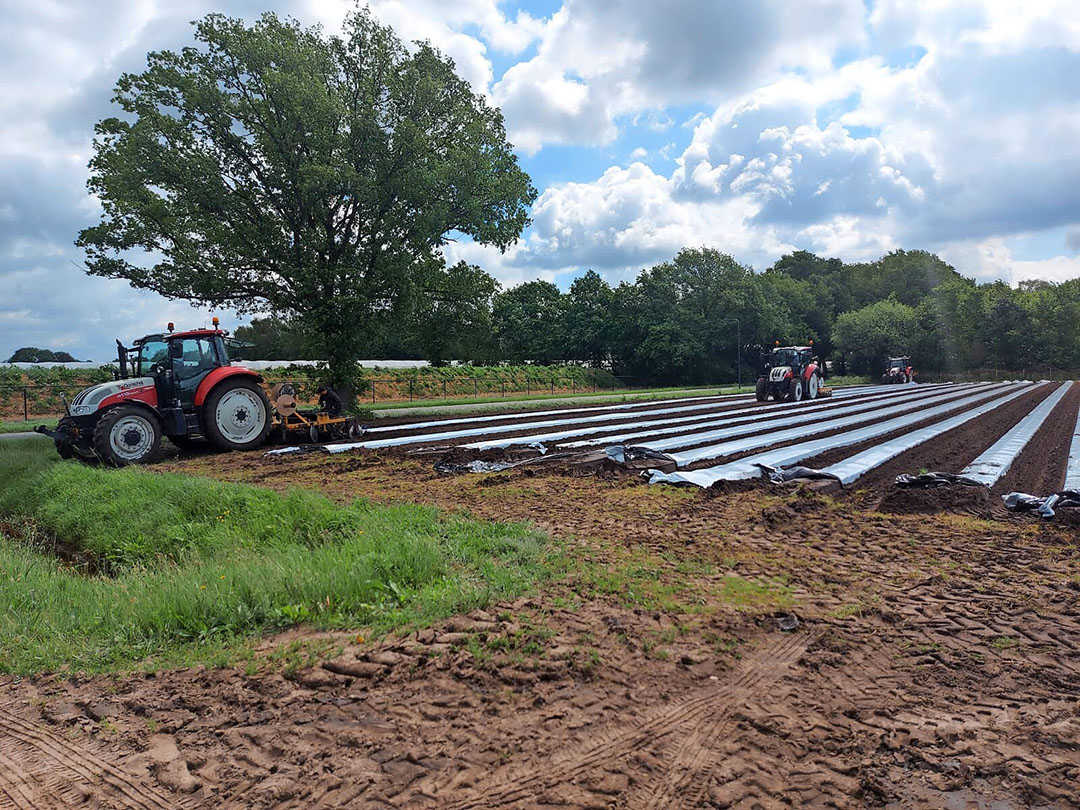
935	662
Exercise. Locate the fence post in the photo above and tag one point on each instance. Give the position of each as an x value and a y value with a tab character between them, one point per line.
25	411
475	391
373	391
410	389
444	389
573	385
502	388
527	391
553	387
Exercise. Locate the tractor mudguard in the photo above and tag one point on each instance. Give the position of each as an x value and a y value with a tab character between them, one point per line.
216	376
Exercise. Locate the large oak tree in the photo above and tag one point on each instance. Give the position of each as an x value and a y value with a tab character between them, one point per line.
277	168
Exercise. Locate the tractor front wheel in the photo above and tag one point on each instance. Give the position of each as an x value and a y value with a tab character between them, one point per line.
236	415
127	434
812	386
795	390
762	390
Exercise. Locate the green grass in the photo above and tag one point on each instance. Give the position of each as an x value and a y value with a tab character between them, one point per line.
19	426
188	569
848	379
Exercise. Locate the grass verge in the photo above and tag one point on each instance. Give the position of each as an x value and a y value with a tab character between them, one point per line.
101	569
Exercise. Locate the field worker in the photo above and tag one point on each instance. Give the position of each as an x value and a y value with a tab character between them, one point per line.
329	401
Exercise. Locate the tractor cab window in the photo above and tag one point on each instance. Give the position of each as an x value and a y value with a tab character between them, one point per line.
784	357
151	353
898	364
197	358
806	357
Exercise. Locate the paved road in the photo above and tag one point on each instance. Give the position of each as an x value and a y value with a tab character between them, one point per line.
20	435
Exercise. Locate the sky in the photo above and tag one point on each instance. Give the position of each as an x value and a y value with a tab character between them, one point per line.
757	127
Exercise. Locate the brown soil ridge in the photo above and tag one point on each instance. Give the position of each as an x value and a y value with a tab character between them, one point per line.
1041	464
696	722
40	769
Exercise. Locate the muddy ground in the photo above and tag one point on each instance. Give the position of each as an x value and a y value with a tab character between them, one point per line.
936	663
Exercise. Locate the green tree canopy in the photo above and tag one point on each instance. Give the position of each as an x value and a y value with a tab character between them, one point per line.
528	323
32	354
870	335
277	168
587	321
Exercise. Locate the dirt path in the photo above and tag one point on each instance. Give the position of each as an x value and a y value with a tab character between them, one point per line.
682	736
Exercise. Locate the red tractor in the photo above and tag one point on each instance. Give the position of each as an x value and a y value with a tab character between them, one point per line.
792	373
898	370
178	384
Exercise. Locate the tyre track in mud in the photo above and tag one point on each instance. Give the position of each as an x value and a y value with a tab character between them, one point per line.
40	770
696	722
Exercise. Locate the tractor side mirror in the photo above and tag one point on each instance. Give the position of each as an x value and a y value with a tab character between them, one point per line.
176	350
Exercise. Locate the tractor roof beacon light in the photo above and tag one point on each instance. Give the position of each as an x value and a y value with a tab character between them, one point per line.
215	321
170	325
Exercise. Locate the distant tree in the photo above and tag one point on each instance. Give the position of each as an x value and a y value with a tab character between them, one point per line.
275	338
451	316
587	320
1010	334
527	323
32	354
681	320
277	168
869	335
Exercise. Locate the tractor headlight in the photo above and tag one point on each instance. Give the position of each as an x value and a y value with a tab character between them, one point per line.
80	410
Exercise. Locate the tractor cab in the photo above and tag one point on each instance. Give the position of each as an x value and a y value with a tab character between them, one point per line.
794	357
177	362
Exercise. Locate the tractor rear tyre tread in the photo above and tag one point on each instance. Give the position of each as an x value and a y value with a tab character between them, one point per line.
761	391
211	428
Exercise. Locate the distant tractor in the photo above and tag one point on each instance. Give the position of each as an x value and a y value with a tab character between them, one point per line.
898	370
791	373
178	384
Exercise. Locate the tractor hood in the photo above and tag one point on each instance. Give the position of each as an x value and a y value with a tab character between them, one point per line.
90	399
778	373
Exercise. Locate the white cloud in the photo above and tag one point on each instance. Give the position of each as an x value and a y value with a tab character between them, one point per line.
951	126
993	259
622	58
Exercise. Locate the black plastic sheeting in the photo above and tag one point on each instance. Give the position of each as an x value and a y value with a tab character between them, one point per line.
621	454
1043	507
781	475
931	480
449	467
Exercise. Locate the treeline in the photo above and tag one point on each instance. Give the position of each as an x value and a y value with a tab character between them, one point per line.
685	320
32	354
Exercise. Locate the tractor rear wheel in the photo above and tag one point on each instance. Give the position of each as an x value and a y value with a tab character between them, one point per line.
236	414
127	434
762	390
